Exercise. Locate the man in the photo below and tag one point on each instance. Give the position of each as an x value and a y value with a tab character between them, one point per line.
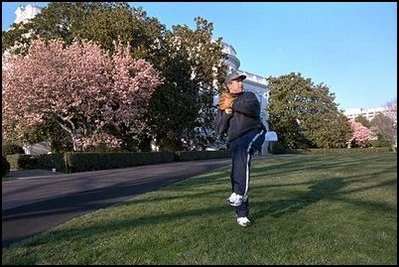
239	117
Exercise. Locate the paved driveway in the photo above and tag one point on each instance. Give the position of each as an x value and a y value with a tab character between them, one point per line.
36	202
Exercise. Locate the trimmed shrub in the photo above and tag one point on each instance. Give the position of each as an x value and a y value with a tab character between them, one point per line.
43	161
5	166
80	162
278	148
380	143
27	162
9	149
199	155
13	160
49	161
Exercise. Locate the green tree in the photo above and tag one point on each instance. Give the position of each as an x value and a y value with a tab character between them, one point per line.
384	125
188	59
65	20
193	82
304	114
363	121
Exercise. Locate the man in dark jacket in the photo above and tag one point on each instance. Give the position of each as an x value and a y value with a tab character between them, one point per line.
239	117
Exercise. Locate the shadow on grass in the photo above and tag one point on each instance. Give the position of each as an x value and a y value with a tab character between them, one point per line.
317	192
191	188
57	235
328	188
91	199
30	219
275	166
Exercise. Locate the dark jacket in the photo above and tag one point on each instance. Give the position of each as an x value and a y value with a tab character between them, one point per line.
245	117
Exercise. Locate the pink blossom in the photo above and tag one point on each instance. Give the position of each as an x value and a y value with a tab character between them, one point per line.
361	135
82	87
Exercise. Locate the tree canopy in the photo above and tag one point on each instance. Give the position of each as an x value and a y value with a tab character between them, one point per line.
189	60
385	124
304	115
81	87
361	135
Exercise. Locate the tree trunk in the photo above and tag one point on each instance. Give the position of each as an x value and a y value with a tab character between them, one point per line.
74	142
72	131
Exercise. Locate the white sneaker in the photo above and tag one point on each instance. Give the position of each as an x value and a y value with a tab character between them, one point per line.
235	200
243	221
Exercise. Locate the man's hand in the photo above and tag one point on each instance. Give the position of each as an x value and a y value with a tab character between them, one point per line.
228	111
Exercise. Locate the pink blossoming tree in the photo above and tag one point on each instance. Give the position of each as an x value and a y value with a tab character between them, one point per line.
81	87
361	135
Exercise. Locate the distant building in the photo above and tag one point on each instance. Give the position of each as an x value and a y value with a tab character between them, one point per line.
25	13
368	113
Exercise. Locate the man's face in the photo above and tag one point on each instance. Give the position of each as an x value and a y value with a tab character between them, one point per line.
235	86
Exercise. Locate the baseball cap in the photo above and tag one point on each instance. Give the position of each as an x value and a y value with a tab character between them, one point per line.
234	75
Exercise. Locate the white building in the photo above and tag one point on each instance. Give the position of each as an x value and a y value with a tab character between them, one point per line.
368	113
25	13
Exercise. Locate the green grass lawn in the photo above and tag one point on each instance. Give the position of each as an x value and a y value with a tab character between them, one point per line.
305	209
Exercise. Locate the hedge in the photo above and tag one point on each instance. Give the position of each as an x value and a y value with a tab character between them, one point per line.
42	161
78	162
90	161
5	166
199	155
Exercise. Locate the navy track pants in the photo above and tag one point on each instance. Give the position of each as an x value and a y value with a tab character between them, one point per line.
242	150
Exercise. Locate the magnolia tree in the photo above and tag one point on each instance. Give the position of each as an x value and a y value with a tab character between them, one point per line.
361	135
384	124
391	111
81	87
